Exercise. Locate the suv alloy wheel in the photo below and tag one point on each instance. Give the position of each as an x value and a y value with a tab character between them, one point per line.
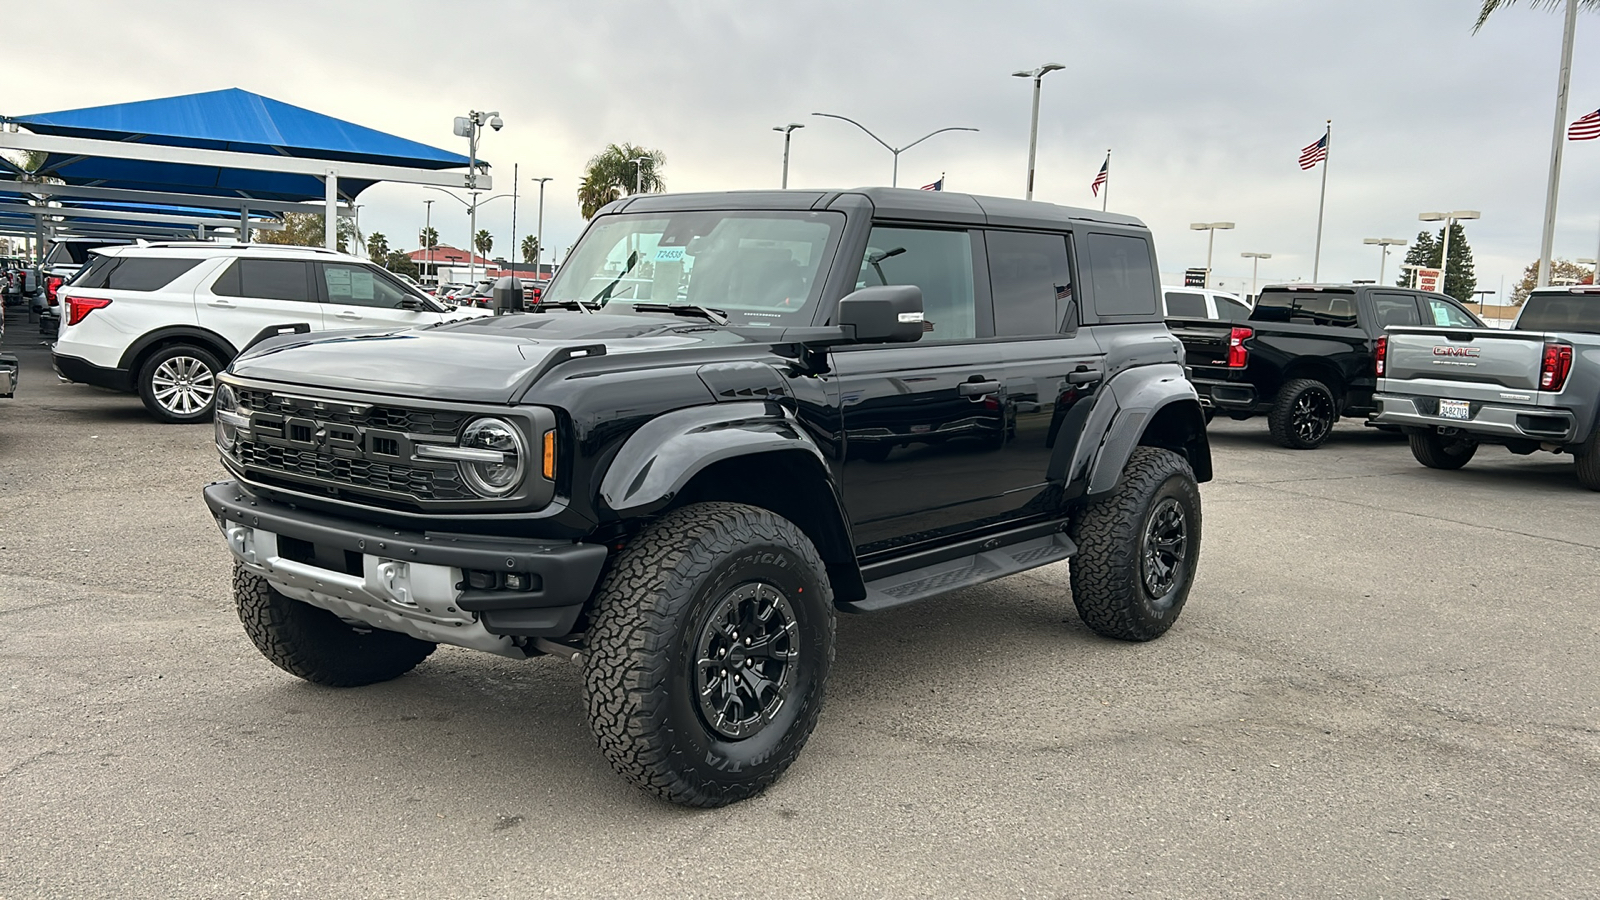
178	383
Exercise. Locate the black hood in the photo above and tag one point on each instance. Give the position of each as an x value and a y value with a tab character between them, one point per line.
481	360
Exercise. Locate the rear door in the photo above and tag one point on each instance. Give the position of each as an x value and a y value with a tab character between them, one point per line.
357	296
250	297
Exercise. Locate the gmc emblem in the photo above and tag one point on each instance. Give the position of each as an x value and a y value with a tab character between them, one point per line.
1472	352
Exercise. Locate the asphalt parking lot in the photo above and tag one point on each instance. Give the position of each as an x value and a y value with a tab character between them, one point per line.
1383	686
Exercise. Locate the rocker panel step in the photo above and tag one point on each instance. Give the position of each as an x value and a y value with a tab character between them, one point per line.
966	571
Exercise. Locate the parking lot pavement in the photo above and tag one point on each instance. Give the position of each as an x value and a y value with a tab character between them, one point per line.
1383	686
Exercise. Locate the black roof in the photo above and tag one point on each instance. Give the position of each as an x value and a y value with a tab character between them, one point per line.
887	203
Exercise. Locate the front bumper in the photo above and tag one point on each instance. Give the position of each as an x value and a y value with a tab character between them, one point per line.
412	582
8	374
82	371
1489	421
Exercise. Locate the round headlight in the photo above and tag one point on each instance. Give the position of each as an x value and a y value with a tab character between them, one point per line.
227	400
494	479
227	432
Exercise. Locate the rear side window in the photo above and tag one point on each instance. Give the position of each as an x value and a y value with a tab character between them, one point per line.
135	273
1396	309
1122	272
1443	312
268	279
1232	310
1182	305
94	274
1336	308
939	262
1031	282
1556	312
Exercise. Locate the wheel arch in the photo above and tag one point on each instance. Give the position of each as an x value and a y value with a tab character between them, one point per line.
1317	370
1156	406
134	357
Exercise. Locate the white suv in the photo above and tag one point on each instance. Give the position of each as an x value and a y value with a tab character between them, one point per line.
162	320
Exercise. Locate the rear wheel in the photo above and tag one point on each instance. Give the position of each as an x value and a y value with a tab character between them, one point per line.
1436	451
1137	548
1303	415
1588	460
178	383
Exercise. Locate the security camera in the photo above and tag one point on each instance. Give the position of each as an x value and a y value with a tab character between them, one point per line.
497	123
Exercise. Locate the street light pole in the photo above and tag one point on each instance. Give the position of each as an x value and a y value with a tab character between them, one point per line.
638	173
427	238
787	130
1553	187
1384	244
1255	267
1211	229
469	127
1033	131
538	250
894	180
1449	219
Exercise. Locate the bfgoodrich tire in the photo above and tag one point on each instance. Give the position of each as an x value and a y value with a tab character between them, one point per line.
178	384
1137	548
312	643
1436	451
1303	414
710	645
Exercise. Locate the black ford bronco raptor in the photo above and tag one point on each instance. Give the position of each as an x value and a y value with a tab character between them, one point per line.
730	416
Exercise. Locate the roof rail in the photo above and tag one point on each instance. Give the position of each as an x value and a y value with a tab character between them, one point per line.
236	245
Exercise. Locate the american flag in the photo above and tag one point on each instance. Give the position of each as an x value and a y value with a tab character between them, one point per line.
1317	152
1586	128
936	186
1100	178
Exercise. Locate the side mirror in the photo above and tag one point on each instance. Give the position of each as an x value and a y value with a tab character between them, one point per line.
507	295
883	314
410	303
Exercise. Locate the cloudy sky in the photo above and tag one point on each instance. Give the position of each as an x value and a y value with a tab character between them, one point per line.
1205	104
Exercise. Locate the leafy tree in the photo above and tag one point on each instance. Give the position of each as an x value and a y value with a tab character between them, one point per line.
1460	279
378	247
611	174
306	230
1562	271
1489	6
428	238
530	248
484	241
396	261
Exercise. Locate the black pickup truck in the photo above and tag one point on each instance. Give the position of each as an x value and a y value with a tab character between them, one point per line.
730	416
1306	355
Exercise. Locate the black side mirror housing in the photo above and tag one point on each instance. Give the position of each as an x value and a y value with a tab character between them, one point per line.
410	303
890	313
507	295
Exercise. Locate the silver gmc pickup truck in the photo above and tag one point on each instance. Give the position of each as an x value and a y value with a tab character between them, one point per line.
1535	387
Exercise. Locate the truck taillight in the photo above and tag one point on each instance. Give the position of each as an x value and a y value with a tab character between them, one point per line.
78	307
1238	354
1557	364
1381	357
51	286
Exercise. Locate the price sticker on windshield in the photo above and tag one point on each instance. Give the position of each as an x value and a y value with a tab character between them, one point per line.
669	254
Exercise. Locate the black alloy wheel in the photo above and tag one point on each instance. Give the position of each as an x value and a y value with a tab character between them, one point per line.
1165	548
1313	417
1303	415
748	654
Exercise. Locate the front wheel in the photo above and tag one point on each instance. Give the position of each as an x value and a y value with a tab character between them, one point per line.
710	645
1436	451
1137	548
178	384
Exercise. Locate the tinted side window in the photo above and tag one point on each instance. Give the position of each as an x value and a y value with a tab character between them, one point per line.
1232	310
94	274
939	262
1443	312
1336	308
360	286
1396	309
146	274
1031	282
269	279
1122	272
1186	306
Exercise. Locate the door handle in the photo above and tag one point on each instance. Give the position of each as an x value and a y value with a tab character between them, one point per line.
347	314
979	388
1084	376
221	304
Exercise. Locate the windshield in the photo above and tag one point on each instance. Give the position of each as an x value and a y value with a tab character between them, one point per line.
759	268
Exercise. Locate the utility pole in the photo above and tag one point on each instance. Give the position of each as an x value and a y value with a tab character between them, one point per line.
1033	131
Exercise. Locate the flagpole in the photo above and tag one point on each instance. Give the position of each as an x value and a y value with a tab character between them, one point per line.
1547	238
1105	199
1322	202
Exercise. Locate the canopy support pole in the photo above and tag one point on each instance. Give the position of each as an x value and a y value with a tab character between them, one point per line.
330	216
244	225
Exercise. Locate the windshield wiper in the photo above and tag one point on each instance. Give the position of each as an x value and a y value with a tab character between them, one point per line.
680	309
604	296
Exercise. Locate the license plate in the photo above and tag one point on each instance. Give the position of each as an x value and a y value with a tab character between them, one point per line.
1454	409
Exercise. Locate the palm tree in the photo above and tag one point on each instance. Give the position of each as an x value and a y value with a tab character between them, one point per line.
612	173
484	241
378	247
428	238
530	248
1490	6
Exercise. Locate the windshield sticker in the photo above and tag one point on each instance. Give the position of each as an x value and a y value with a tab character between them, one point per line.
669	254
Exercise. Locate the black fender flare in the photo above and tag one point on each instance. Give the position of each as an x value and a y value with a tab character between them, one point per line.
1140	397
170	334
658	459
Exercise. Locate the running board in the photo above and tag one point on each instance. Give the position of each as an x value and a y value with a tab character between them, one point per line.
953	574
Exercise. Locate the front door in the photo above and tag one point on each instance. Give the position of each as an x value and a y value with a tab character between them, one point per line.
250	297
356	296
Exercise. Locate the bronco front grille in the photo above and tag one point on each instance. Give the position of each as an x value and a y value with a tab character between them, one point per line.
375	415
364	475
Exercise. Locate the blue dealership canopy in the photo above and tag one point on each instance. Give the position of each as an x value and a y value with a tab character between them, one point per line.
231	120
